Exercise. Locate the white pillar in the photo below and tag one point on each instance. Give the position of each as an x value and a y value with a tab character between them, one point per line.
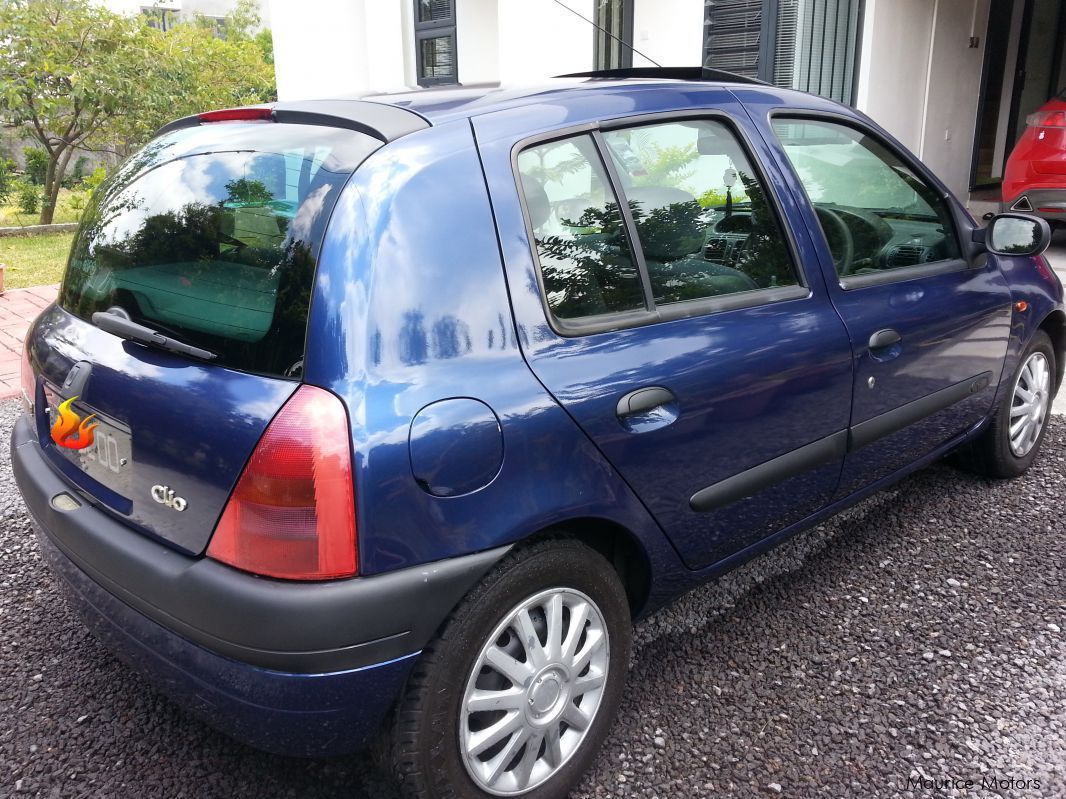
319	48
540	38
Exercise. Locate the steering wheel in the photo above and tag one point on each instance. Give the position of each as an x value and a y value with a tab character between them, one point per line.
839	238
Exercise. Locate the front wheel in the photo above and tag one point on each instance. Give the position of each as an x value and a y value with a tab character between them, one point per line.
517	692
1013	438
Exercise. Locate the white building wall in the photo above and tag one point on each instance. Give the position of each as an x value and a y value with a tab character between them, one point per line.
384	33
477	44
540	38
953	88
350	47
668	31
920	78
894	65
321	48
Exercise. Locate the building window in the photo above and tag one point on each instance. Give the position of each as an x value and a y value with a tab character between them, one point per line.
435	42
810	45
613	34
160	18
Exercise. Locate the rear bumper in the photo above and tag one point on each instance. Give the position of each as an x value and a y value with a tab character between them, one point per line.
307	669
311	715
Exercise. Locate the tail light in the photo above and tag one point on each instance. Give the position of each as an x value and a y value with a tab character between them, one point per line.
1047	119
244	114
292	513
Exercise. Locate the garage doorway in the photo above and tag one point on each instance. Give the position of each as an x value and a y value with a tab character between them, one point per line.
1024	68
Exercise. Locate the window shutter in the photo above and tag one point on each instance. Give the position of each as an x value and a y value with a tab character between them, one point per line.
812	44
731	34
816	46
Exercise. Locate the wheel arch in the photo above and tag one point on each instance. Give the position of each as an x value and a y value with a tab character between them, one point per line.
1054	325
618	545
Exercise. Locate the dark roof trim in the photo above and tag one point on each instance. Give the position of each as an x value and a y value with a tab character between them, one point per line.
384	122
667	73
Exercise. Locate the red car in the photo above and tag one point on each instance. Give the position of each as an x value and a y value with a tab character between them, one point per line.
1035	178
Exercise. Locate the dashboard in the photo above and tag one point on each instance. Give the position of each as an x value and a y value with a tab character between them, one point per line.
870	241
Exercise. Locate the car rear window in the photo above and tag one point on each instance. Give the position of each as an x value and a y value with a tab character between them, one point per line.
211	235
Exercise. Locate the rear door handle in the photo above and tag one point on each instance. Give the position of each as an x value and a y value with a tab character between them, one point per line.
643	400
883	339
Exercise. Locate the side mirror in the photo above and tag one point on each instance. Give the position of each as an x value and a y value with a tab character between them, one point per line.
1017	234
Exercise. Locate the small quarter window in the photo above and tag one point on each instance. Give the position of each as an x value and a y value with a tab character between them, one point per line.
705	223
876	213
587	266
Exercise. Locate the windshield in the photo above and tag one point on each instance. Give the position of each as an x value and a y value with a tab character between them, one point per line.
211	234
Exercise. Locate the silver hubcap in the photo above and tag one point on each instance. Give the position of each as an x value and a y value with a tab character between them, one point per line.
534	691
1032	393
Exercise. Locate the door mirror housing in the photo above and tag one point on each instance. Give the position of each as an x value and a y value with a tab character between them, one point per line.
1017	234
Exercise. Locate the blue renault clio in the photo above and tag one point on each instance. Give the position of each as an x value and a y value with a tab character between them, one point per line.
382	419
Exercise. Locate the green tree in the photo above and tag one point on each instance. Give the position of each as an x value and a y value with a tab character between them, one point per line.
264	40
74	75
36	164
240	24
28	197
7	178
65	67
193	70
665	166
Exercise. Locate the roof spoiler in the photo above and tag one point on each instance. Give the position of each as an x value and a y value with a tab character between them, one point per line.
383	122
668	73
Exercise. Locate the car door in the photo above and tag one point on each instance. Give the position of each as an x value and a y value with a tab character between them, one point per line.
696	354
929	327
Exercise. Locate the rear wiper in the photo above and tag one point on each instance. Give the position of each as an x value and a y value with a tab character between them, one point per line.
120	326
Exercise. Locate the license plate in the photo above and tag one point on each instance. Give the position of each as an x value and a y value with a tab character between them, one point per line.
109	459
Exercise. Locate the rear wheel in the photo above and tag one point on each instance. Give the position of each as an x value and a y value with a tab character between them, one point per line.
1013	438
517	693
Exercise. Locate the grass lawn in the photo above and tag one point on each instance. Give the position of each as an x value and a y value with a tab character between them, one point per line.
69	207
34	260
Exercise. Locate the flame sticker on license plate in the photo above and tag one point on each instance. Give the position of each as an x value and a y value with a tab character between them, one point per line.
108	459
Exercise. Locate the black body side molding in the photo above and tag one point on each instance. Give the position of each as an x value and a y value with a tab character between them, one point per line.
896	419
754	480
833	447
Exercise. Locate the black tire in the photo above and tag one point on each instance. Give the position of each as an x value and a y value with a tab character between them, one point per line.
991	454
425	746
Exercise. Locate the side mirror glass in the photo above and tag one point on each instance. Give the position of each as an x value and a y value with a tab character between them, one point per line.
1017	234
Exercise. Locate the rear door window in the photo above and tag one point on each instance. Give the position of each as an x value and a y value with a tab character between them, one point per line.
586	262
704	221
211	235
650	223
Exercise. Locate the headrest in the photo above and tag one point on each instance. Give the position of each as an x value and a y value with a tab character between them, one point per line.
668	221
536	201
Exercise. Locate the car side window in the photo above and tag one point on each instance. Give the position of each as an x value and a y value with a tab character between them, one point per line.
705	224
875	212
587	265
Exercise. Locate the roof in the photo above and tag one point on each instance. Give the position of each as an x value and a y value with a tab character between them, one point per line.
389	116
442	103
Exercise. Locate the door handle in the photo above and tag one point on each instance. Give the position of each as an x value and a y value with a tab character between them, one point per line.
643	400
883	339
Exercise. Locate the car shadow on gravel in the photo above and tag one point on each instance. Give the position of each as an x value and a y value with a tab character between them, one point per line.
910	635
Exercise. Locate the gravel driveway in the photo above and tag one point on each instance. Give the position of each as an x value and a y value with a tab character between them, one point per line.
919	636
